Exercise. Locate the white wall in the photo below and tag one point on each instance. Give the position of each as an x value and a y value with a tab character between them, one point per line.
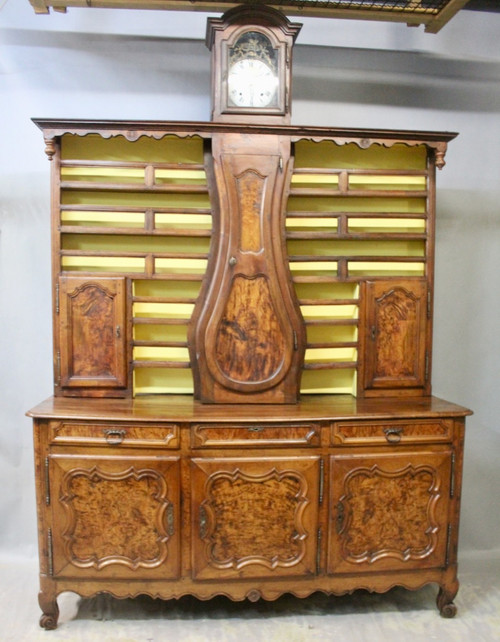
100	64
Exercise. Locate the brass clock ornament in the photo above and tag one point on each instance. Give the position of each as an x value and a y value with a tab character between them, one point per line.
251	65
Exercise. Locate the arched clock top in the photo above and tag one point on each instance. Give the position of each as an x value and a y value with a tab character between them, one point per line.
250	16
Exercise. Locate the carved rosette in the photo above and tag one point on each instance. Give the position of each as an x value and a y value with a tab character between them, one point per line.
116	518
388	514
254	519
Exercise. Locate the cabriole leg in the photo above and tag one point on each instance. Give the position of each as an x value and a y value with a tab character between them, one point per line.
445	599
47	599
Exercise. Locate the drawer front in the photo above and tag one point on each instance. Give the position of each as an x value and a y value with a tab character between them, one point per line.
256	435
120	434
391	432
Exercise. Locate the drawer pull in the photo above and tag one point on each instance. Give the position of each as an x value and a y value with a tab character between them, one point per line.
393	435
255	429
114	437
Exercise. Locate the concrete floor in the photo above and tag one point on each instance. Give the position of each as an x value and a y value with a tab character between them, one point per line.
398	615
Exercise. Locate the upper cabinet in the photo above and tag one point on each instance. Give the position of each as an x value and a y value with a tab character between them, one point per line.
242	263
395	337
92	334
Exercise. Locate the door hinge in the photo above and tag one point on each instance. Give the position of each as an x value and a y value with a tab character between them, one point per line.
202	522
58	367
448	545
427	366
57	298
50	553
452	475
321	481
319	536
429	299
170	519
295	341
47	482
281	163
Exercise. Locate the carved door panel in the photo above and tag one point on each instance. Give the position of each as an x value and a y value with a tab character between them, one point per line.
114	516
92	332
254	517
247	337
394	336
389	511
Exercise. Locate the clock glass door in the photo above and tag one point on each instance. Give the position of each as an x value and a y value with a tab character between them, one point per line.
253	72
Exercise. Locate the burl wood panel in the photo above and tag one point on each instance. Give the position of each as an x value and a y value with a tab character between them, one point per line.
393	432
254	435
117	512
390	510
250	189
241	507
395	334
250	341
109	434
92	332
256	517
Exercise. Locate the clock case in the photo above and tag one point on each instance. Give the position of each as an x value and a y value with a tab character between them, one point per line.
223	34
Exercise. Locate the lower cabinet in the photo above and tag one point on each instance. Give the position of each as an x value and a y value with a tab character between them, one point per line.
114	516
254	517
389	511
157	503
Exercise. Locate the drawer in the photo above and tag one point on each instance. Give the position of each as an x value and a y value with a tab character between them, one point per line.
121	434
255	435
391	432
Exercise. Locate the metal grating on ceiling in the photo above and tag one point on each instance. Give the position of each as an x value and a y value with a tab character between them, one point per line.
431	6
434	14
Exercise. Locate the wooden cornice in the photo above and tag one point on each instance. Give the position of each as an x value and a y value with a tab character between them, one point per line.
133	130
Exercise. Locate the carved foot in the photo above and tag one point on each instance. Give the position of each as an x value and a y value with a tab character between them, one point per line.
49	622
445	603
48	604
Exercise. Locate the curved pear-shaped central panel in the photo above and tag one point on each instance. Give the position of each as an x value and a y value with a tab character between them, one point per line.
250	342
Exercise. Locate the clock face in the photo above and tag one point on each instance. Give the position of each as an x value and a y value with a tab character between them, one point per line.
252	77
252	83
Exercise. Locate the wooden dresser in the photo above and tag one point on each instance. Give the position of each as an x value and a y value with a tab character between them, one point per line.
242	365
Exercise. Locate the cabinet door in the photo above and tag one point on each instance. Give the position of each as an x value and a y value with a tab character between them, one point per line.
254	517
247	338
394	335
114	516
389	511
92	332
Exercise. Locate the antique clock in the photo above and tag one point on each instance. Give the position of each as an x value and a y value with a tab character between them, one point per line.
251	65
247	337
